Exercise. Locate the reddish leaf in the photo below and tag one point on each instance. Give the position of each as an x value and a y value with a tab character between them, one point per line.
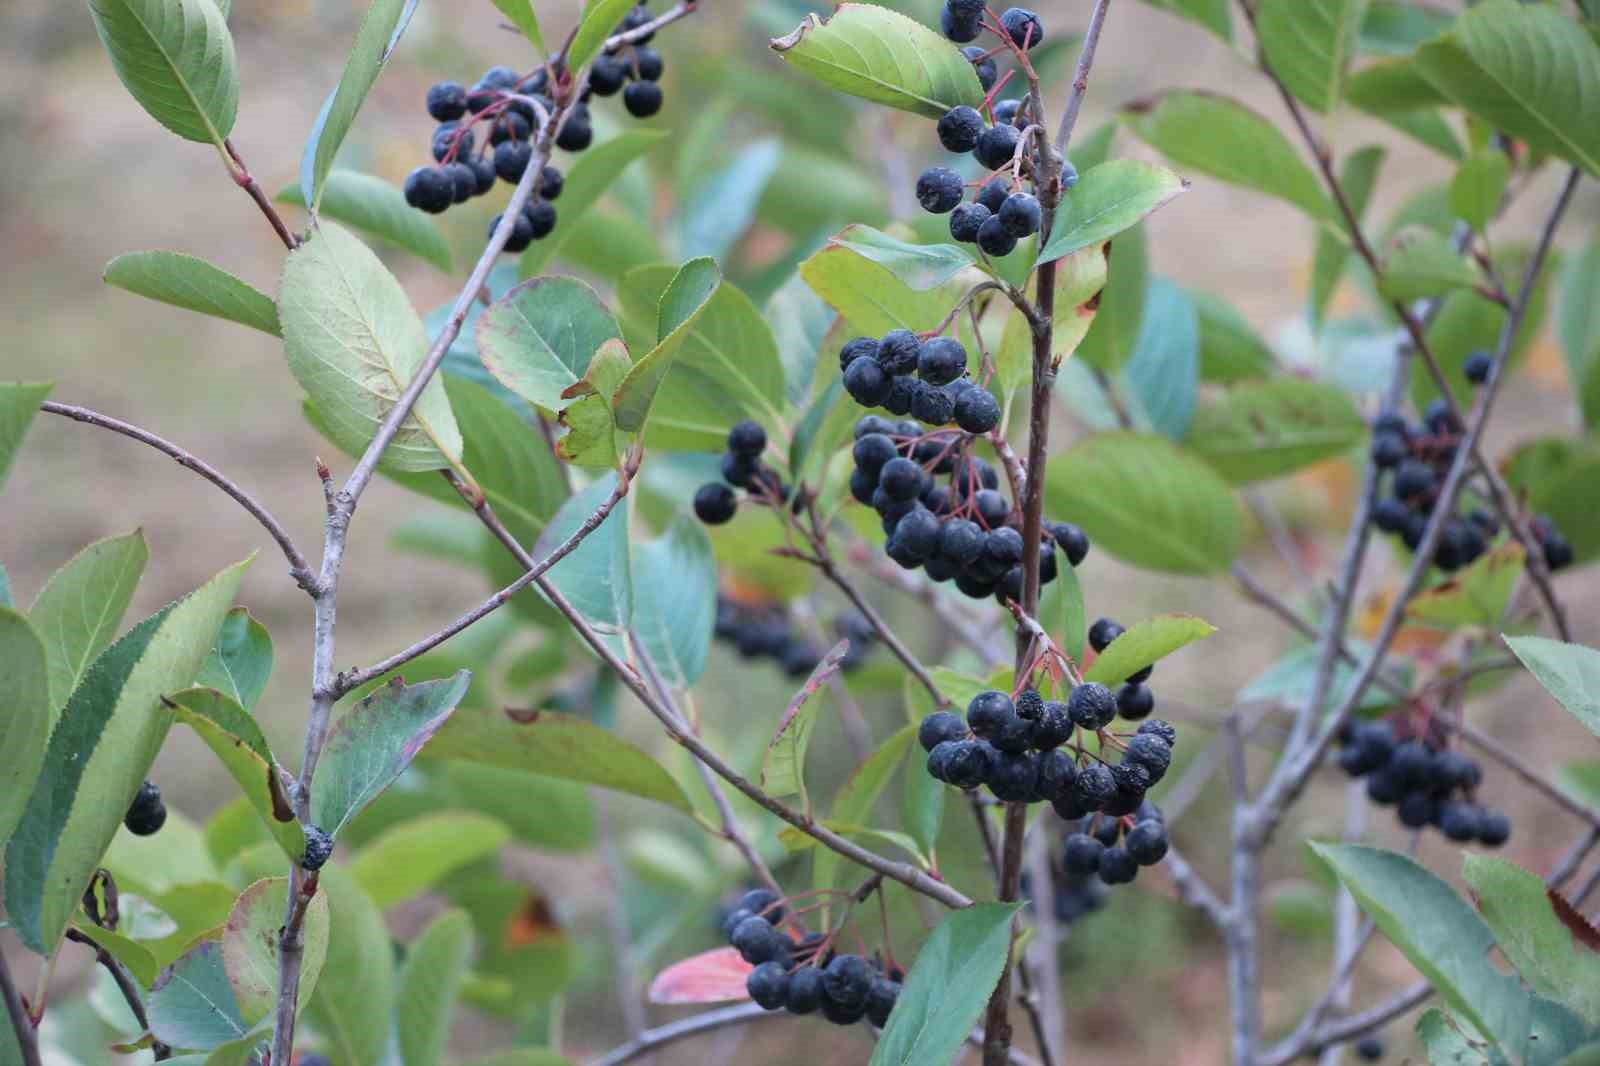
1582	931
714	976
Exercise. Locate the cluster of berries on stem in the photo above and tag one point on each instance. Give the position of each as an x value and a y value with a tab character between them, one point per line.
765	631
925	377
1407	766
716	502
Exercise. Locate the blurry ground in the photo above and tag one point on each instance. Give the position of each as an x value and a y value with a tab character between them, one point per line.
85	175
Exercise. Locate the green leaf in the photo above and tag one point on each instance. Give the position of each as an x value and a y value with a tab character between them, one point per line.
1309	44
1439	934
79	609
1061	611
1358	175
1449	1045
1528	71
1526	929
1578	325
374	741
508	458
882	56
556	745
1569	672
1230	348
1147	502
1479	184
920	266
600	18
682	303
595	577
99	755
192	283
192	1006
522	16
1080	278
140	963
378	209
233	828
592	438
854	802
241	663
1265	429
726	369
542	812
430	984
250	947
1144	644
27	719
869	296
410	858
783	766
1107	200
238	742
956	970
538	339
1119	313
19	402
1162	375
1220	137
354	343
354	1002
1588	1055
922	806
380	31
587	181
1396	27
719	207
800	323
1214	15
528	1056
675	600
176	57
1553	473
1474	596
1423	264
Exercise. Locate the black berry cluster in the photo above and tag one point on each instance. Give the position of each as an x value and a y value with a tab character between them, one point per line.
1418	457
147	813
943	510
765	631
806	976
489	130
1076	895
715	502
1426	783
1134	698
1112	849
1027	750
925	377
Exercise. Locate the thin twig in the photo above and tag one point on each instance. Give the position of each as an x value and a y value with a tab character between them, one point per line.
1080	78
299	569
1193	890
662	1035
21	1024
242	178
126	985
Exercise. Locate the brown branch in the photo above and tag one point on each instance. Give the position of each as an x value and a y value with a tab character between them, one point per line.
21	1023
299	569
125	984
242	178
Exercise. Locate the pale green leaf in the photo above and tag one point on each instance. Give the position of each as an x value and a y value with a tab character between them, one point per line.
1476	595
250	947
1423	264
523	17
1569	672
1308	44
428	987
176	57
538	339
192	1006
1214	15
595	577
853	804
413	856
192	283
685	299
1112	197
19	403
378	209
241	663
1479	184
920	266
27	719
354	1002
600	18
1144	644
783	766
1358	175
586	182
79	609
1266	429
675	600
1527	931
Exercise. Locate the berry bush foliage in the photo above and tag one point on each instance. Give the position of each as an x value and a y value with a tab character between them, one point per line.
879	443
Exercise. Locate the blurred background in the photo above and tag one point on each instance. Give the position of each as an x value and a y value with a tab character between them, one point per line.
85	175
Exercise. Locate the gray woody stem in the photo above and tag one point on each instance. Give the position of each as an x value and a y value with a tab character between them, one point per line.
21	1024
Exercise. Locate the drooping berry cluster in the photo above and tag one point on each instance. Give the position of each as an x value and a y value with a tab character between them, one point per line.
1027	750
1112	849
1076	895
806	976
1134	698
1418	458
508	108
926	378
148	811
963	529
1426	783
716	502
765	631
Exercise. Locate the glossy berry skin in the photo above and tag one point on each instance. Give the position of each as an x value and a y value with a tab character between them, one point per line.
1146	843
1494	828
576	134
448	136
1092	706
1413	478
1103	632
757	941
319	847
1023	26
983	65
867	382
447	100
847	981
992	507
977	411
760	901
1020	215
994	193
510	126
521	232
941	361
995	239
715	503
428	189
901	479
550	183
988	711
959	129
940	727
961	541
463	181
939	190
1071	540
1390	515
804	994
642	99
768	985
511	160
1388	449
1094	786
1476	368
483	168
541	215
607	74
747	438
1006	111
147	813
872	451
881	997
648	64
966	220
996	147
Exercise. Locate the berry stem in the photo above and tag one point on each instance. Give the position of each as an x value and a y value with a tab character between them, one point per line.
242	178
21	1023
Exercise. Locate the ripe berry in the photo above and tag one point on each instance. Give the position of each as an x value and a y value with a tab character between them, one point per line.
576	134
994	193
966	220
1458	821
899	352
872	451
483	168
970	763
1054	727
648	64
1440	419
805	991
760	901
1094	786
642	99
1014	736
977	411
1413	478
521	232
541	215
1135	702
996	146
511	160
940	727
961	542
607	74
1012	776
1370	1048
941	361
867	382
989	711
1390	515
1023	26
1092	706
1161	728
932	404
983	65
901	479
854	349
447	100
1117	866
463	181
768	985
747	438
1388	449
450	136
1416	809
510	126
637	18
1003	547
550	183
1494	828
1072	540
715	503
429	190
959	129
1082	854
992	507
1020	214
1147	843
1557	551
918	533
1477	367
147	813
1150	751
847	980
737	469
1006	111
1103	632
319	846
881	997
939	189
1056	775
995	239
757	941
966	9
958	29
